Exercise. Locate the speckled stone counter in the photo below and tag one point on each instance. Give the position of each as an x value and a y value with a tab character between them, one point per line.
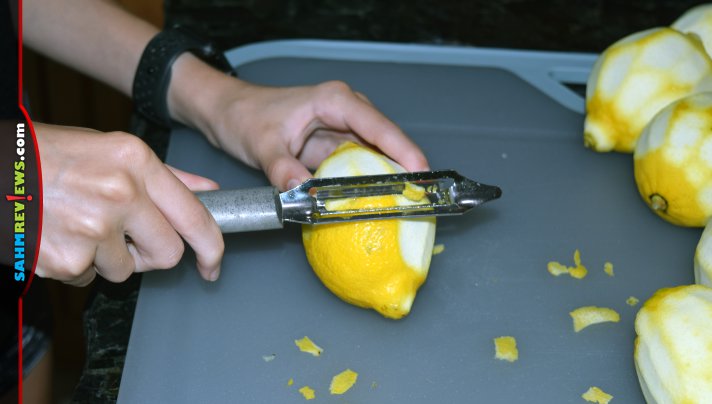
107	326
526	24
521	24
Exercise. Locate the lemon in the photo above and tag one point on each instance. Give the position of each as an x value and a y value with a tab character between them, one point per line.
697	21
377	264
635	78
673	161
673	350
703	258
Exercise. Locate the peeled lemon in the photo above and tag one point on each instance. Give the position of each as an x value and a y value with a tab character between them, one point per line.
703	258
376	264
673	350
673	161
635	78
697	21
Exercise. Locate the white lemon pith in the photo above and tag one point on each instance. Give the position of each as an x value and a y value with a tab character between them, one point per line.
703	258
697	21
673	161
635	78
673	350
376	264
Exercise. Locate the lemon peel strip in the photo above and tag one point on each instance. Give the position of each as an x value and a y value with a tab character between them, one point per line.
307	392
589	315
596	395
608	269
307	345
342	382
506	348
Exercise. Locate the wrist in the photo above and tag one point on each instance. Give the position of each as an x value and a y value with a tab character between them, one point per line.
155	72
197	94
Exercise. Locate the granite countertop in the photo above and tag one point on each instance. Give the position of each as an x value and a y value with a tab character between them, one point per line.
521	24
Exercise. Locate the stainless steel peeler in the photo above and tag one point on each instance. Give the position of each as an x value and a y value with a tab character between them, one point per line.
440	193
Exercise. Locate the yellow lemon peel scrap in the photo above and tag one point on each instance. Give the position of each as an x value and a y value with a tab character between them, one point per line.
557	269
307	345
290	382
578	272
342	382
505	349
631	301
596	395
608	269
307	392
438	248
589	315
413	192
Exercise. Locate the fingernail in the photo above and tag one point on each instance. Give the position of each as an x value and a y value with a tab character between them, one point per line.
292	183
215	275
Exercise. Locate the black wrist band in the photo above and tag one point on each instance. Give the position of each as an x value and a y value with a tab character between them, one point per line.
153	74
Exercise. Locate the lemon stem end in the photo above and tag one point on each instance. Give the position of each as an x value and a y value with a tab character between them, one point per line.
658	203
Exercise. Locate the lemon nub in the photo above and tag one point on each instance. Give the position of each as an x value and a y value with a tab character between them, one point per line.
658	203
588	141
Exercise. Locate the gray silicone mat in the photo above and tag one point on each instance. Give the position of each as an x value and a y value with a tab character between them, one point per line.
195	342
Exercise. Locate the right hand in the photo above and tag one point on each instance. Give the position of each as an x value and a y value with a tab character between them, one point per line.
111	207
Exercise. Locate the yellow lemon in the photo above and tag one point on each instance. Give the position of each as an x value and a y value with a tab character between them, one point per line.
703	258
673	350
673	161
635	78
697	21
377	264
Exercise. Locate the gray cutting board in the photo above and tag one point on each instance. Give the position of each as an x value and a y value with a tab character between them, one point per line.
196	342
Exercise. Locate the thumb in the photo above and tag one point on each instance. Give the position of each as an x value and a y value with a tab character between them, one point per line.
285	172
194	182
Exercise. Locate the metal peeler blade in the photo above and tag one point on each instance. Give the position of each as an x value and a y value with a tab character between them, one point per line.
318	200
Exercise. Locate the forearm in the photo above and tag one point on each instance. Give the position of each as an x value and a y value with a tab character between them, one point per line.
101	39
96	37
283	131
197	93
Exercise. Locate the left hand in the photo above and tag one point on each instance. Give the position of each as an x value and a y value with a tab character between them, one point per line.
286	131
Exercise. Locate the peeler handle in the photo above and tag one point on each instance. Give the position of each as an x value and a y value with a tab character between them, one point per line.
241	210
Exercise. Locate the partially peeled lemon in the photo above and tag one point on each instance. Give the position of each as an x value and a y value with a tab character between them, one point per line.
635	78
376	264
673	350
673	161
697	21
703	258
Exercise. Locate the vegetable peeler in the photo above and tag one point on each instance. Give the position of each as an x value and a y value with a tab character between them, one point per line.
316	201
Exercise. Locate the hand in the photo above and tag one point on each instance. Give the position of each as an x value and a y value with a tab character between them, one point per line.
283	131
111	207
